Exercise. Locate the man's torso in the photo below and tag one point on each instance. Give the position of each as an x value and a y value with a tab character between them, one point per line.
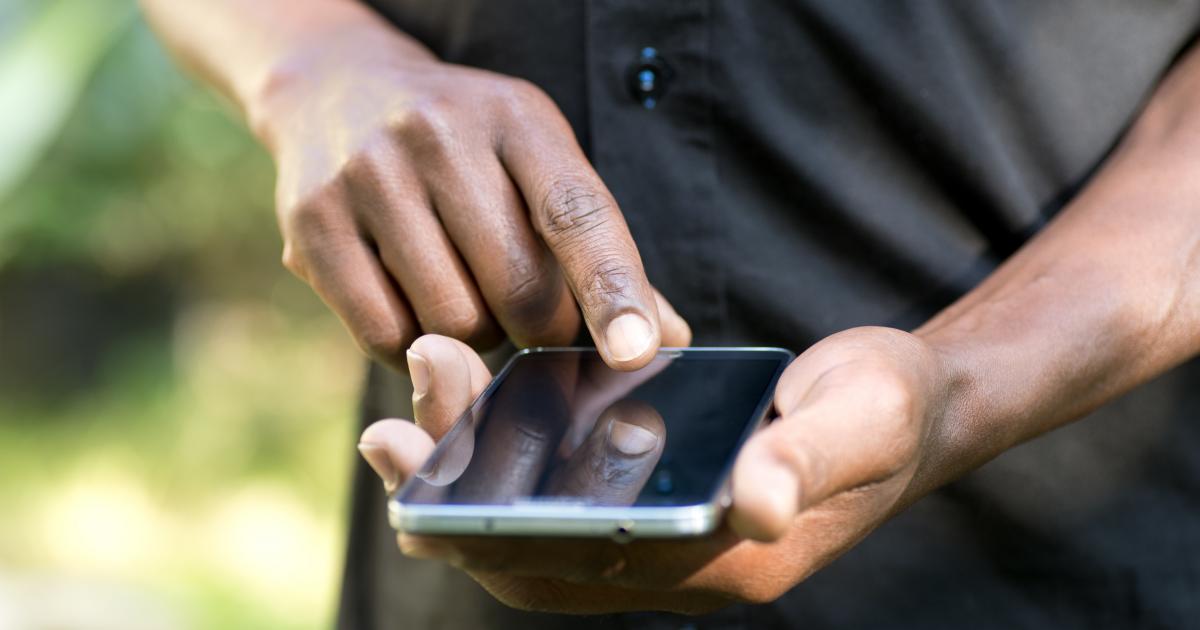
811	166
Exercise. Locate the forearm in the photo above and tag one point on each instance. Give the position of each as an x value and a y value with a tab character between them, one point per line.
248	48
1104	299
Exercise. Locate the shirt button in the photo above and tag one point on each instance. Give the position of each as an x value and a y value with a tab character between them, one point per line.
648	78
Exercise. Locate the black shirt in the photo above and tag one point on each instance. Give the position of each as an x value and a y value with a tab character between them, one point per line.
794	168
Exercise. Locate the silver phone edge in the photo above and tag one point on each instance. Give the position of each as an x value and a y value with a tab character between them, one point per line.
620	523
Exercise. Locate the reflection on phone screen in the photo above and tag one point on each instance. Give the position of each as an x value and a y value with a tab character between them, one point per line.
563	428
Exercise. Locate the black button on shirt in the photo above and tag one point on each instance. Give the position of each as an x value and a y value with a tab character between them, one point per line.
648	78
813	165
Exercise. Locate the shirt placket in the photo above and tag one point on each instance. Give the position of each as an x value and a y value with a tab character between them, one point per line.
650	124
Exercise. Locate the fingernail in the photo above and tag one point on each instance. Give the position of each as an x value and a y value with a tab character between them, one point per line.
427	472
628	337
418	371
631	439
379	461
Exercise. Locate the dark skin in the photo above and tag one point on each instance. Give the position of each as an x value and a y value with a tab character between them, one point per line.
870	419
416	196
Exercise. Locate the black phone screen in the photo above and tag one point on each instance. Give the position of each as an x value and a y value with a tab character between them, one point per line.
562	427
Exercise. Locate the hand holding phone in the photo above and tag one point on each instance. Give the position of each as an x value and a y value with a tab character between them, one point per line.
855	440
560	444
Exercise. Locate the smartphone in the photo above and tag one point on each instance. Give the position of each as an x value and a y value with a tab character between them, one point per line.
559	444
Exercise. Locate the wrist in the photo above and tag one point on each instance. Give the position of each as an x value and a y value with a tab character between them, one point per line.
310	65
960	436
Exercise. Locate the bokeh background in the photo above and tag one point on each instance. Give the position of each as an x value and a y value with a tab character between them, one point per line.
176	411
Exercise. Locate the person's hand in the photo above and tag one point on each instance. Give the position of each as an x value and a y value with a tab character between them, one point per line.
858	424
417	197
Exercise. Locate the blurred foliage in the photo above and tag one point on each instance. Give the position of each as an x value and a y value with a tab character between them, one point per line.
176	412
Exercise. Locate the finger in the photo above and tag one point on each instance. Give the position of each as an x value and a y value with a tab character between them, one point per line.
839	437
675	330
447	377
486	217
525	422
346	274
395	449
577	218
417	252
613	464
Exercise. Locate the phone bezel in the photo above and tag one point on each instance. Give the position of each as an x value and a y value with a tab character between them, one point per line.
567	520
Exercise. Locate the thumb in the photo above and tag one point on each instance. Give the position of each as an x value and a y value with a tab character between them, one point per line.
768	482
447	376
836	440
394	449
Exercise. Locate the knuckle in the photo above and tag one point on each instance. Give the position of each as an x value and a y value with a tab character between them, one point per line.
570	210
885	395
427	125
893	420
312	231
382	342
607	278
374	163
891	396
519	95
897	424
293	261
531	294
457	318
312	222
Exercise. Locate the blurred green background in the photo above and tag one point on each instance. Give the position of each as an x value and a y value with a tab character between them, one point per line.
176	411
